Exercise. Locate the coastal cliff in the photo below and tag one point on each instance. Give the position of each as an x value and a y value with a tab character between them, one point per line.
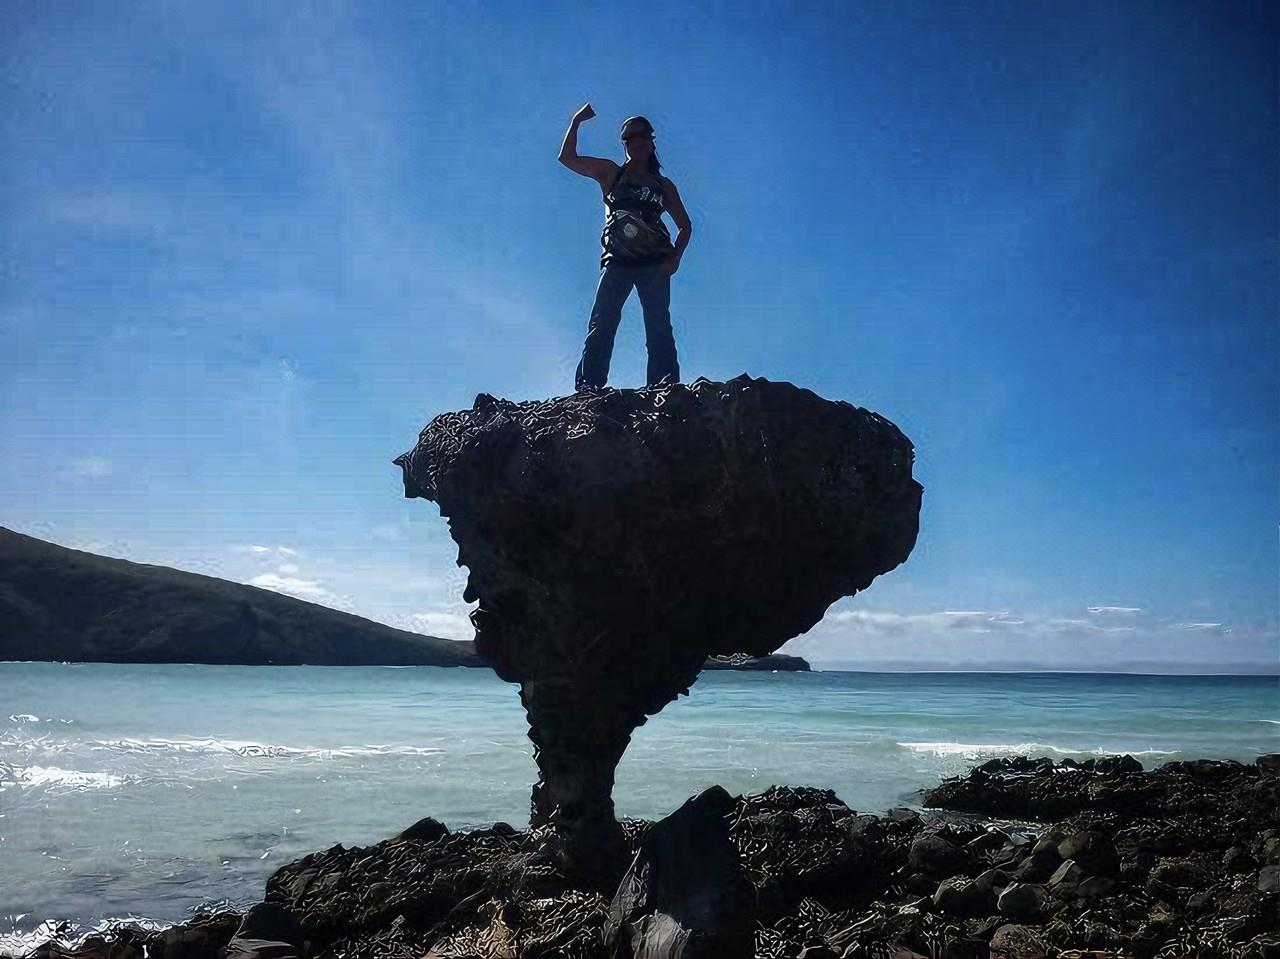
66	605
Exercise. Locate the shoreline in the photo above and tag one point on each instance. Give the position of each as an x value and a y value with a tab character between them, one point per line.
1269	672
1152	856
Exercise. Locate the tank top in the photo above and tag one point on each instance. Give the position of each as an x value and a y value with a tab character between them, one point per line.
634	234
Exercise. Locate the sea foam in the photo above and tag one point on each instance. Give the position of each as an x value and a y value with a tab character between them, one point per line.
979	750
257	750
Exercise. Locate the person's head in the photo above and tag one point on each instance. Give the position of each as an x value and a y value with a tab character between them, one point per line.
637	141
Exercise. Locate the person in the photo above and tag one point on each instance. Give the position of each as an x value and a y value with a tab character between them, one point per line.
637	251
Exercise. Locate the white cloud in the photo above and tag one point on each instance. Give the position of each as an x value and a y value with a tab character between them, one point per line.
116	208
309	589
973	637
91	467
446	624
266	552
902	624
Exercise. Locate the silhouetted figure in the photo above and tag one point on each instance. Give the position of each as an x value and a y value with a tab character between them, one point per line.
637	250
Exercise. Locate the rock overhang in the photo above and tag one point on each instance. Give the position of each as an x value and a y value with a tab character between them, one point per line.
614	539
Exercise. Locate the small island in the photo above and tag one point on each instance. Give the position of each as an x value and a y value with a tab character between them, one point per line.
774	662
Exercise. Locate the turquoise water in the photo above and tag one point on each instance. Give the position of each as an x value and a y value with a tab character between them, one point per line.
146	790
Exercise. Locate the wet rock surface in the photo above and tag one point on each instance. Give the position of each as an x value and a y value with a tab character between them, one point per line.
615	539
825	880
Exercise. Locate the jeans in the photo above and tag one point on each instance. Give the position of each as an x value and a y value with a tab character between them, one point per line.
653	283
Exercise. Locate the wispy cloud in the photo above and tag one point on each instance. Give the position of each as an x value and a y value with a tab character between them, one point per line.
91	467
302	588
1099	635
256	549
117	208
285	579
444	623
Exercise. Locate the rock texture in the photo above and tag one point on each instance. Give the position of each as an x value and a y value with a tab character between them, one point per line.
615	539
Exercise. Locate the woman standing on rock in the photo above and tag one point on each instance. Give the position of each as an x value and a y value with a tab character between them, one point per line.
637	250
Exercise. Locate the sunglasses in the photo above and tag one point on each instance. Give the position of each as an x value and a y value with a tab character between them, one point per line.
638	133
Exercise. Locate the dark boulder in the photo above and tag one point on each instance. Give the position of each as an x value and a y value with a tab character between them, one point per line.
1028	902
267	931
426	830
1269	879
987	842
1095	853
960	896
1038	866
1017	942
685	895
1117	765
935	856
1269	763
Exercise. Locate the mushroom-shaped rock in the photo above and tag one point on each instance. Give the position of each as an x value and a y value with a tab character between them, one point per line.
615	539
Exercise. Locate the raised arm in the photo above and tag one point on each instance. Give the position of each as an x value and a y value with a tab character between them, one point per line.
594	167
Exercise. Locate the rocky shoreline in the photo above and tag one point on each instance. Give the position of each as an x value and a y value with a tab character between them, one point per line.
1018	858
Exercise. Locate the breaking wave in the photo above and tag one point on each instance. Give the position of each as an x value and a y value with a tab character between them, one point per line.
53	777
993	750
257	750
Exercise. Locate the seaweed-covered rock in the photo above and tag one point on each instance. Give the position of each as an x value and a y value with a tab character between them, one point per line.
1024	901
1015	941
934	855
961	896
1095	853
617	538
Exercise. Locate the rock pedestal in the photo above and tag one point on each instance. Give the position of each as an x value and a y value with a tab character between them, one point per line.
617	538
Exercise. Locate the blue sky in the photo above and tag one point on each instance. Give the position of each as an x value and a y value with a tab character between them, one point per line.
249	250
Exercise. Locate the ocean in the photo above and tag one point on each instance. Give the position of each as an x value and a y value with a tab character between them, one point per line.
147	790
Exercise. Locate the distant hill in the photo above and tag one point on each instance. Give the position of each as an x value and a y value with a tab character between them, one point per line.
59	604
